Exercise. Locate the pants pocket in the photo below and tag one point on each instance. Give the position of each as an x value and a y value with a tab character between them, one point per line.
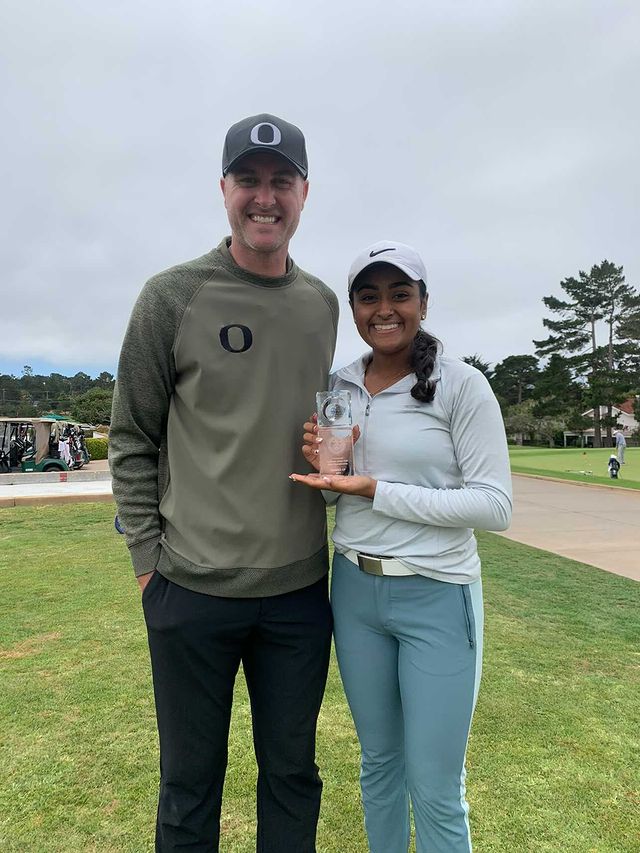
467	609
146	592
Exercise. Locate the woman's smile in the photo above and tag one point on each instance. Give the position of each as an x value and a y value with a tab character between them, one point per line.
386	327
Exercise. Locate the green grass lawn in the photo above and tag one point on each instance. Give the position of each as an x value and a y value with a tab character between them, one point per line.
553	756
585	466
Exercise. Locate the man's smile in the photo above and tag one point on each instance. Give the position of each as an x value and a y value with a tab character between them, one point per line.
263	220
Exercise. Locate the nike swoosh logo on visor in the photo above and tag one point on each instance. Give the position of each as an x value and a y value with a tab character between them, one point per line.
380	251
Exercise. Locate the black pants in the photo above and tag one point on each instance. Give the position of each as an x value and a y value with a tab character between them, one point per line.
197	642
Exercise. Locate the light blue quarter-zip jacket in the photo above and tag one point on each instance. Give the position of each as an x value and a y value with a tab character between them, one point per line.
442	469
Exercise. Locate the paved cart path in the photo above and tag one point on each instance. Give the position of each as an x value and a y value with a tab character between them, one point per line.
594	525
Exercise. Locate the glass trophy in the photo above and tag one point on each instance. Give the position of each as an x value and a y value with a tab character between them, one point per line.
335	428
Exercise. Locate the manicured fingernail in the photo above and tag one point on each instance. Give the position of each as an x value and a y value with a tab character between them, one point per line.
316	452
318	440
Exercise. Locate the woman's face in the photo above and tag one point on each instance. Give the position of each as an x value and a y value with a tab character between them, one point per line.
387	309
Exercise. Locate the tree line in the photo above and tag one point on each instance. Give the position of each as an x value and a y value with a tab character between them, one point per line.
589	360
32	394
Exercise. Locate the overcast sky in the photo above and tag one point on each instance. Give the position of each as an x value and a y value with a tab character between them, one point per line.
500	138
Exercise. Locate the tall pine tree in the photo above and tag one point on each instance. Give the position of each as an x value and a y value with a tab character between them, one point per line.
602	295
621	312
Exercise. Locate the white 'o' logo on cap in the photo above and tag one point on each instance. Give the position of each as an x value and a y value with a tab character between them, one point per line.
276	135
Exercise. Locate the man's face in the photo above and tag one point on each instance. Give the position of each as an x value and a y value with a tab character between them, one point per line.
264	196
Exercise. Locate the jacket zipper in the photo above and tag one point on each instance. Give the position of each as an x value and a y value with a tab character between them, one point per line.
364	436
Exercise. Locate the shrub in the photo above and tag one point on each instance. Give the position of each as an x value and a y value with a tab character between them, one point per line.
97	447
92	407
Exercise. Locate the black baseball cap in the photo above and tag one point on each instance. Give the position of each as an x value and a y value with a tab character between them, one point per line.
265	132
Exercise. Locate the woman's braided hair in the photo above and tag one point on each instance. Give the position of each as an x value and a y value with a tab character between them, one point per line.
423	355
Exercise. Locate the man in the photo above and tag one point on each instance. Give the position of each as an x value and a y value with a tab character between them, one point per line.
218	371
621	443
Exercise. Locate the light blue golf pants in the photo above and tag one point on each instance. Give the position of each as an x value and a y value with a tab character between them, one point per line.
410	656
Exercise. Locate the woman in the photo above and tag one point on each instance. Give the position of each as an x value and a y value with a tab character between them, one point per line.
431	463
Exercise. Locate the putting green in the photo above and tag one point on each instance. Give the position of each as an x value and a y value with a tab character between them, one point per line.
584	465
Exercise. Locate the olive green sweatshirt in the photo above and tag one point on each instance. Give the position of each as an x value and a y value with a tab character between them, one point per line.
218	372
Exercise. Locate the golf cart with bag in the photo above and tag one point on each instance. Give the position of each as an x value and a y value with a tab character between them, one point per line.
38	444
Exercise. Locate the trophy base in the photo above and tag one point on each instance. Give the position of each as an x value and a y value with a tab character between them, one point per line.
336	450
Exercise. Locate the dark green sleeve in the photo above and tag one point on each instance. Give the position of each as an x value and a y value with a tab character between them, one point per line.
145	382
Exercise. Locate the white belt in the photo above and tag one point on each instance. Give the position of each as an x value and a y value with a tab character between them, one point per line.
378	565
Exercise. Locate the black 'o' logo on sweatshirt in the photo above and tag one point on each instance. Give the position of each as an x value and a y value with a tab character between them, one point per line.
232	342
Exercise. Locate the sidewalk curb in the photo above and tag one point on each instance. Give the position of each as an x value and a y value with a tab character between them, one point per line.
575	482
47	500
25	479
